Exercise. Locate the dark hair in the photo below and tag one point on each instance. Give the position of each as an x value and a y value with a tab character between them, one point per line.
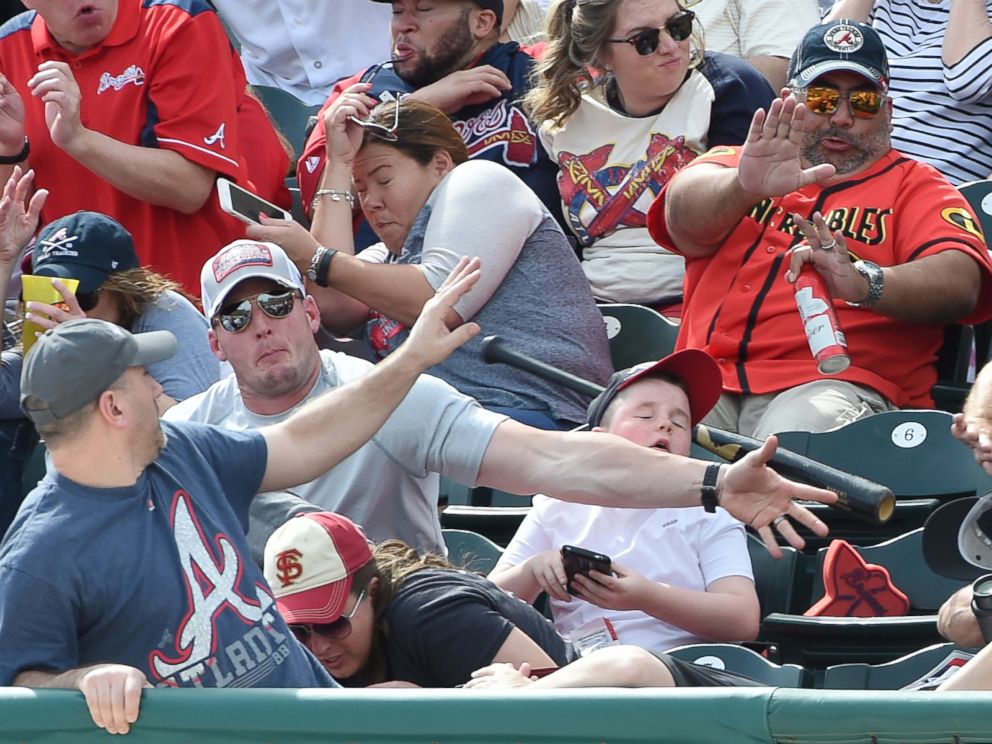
577	32
421	131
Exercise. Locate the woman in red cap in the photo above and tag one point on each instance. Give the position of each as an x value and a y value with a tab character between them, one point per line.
374	614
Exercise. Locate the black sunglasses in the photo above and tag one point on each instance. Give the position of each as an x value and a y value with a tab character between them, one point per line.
88	300
645	42
235	317
336	631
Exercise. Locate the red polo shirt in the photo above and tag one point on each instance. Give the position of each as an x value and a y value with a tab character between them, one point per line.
164	77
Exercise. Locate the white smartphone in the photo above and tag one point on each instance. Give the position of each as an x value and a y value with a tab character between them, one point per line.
245	205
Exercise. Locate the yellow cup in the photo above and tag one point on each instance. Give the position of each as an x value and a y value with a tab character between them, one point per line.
40	289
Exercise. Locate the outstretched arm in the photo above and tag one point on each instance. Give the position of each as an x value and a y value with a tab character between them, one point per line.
323	433
600	468
770	165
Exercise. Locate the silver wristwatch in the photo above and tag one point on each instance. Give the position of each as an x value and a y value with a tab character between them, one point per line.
872	272
320	262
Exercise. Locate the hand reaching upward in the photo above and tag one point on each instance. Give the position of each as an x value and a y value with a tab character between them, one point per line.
770	163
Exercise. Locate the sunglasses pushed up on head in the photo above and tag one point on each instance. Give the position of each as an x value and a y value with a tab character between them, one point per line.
825	99
236	317
383	132
645	42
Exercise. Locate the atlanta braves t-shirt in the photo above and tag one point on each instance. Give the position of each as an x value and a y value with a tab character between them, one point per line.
157	576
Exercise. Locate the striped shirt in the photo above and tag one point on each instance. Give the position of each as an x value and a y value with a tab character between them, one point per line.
943	115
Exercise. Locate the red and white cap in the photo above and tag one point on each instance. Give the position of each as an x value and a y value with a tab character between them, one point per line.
310	562
241	260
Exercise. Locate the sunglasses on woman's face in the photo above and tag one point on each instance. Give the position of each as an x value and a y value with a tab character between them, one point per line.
235	317
824	99
87	300
645	42
336	631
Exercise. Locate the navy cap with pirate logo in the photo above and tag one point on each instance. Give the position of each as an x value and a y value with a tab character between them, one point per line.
840	45
88	246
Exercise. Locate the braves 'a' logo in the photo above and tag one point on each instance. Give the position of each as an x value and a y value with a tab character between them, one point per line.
602	198
217	136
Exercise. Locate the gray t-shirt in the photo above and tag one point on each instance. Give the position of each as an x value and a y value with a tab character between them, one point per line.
193	368
390	484
532	291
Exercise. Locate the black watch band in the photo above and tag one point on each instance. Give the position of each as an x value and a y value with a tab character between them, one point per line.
708	492
19	157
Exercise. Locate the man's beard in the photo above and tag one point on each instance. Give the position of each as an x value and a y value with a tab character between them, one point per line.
451	50
864	150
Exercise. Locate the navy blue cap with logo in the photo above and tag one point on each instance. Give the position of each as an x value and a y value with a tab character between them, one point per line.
840	45
88	246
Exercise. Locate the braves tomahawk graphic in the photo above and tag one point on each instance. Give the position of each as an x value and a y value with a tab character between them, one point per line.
601	198
502	127
212	571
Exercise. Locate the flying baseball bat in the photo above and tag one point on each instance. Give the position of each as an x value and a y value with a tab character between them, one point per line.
864	498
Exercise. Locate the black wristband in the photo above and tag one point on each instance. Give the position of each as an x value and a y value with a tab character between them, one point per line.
708	492
981	605
19	157
323	267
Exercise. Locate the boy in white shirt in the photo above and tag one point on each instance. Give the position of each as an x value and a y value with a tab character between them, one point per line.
679	575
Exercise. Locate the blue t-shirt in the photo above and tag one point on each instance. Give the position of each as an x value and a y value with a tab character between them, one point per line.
157	575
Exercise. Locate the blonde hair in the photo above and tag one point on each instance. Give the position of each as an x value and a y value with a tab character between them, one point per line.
137	289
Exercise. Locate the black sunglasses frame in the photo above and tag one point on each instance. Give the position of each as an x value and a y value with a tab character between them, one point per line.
645	42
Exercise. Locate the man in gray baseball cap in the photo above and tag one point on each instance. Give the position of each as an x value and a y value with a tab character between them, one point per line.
111	552
73	363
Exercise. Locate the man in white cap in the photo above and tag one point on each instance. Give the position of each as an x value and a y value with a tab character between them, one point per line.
389	486
127	566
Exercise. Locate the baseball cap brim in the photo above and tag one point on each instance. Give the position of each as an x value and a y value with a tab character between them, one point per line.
940	541
807	76
90	279
693	367
322	604
152	347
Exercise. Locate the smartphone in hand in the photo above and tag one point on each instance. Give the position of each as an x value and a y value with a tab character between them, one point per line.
581	561
246	206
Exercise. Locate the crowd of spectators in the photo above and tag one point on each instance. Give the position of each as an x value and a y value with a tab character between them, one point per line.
475	165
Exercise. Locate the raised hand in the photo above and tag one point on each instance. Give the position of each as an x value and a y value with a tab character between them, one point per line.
55	84
18	216
756	495
430	340
464	88
343	135
770	163
11	119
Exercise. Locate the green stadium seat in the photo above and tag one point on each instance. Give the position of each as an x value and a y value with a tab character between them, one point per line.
734	658
497	523
774	578
288	113
471	550
637	334
908	670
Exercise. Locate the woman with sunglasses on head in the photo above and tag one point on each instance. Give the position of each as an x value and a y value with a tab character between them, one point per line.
388	614
429	204
627	97
96	250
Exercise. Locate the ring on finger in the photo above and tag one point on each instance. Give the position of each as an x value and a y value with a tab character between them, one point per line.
778	520
829	246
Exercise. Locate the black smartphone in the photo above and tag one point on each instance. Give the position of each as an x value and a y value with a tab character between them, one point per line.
581	561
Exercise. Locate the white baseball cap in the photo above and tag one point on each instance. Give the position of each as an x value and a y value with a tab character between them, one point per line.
241	260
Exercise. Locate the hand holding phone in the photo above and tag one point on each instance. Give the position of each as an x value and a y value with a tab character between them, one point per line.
581	561
246	206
